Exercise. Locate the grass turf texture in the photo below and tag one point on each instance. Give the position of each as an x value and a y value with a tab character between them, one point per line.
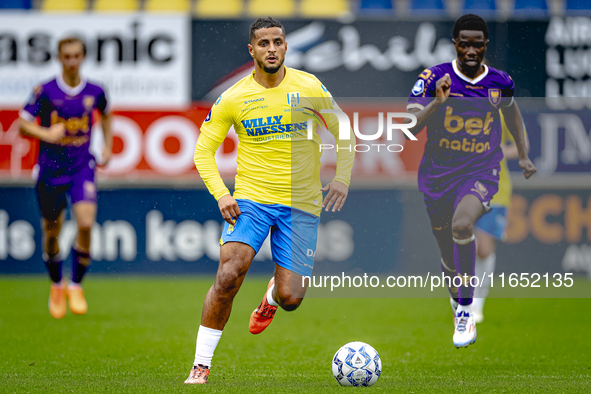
139	336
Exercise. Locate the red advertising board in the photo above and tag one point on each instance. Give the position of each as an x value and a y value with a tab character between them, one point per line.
159	145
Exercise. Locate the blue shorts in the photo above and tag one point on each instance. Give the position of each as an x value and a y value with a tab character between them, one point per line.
495	223
293	233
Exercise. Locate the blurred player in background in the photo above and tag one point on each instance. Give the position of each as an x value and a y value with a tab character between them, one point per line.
65	107
492	227
459	171
260	109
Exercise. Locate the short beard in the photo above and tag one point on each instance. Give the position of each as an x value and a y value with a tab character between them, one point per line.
270	70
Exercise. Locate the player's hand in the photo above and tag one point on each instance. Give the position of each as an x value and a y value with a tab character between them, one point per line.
229	208
443	86
55	133
337	194
528	167
107	153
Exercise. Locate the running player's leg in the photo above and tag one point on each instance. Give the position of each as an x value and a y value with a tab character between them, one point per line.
293	245
52	201
467	212
240	243
84	205
440	214
489	229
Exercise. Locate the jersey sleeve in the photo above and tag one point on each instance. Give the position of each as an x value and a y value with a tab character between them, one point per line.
34	105
423	90
102	104
507	91
345	150
214	129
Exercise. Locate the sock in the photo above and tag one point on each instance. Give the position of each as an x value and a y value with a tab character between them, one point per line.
207	340
80	263
465	262
54	266
464	308
484	266
448	278
270	299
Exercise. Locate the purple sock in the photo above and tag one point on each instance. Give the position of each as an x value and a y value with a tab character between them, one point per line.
54	266
465	263
80	262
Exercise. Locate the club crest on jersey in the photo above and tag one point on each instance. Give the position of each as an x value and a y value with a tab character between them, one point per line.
88	102
293	99
419	87
494	96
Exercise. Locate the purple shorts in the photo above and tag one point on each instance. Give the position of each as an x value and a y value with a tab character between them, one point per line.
52	191
482	185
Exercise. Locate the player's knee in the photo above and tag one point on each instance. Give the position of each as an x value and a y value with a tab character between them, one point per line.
462	228
290	304
228	277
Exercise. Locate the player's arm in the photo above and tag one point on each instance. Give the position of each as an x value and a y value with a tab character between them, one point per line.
27	120
29	128
423	112
338	188
104	108
213	132
515	123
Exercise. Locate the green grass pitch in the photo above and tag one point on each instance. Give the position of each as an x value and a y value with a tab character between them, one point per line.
139	336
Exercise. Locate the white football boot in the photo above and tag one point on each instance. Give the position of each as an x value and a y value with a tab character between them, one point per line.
477	309
465	327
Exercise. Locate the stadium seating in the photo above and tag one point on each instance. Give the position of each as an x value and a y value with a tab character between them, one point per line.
431	7
373	6
277	8
324	8
64	5
15	4
218	8
530	8
168	5
116	5
480	6
575	6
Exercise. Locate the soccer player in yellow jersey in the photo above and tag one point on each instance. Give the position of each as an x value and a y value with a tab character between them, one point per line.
274	191
492	227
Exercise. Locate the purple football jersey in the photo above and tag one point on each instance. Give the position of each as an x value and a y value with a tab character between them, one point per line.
464	135
56	102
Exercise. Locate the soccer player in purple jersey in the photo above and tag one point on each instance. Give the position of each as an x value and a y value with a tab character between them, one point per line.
459	103
65	107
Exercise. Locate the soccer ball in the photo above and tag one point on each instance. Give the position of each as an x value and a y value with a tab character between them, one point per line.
356	364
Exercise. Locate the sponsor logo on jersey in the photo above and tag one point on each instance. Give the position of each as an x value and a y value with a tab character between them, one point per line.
270	125
419	87
254	100
480	189
208	118
218	100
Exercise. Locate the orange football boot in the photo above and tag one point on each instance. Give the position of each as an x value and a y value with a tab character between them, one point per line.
198	375
263	315
57	300
76	299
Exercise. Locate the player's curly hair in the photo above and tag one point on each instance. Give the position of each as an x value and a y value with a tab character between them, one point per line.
470	22
264	23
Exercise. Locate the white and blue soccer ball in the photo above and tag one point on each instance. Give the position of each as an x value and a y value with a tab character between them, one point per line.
356	364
